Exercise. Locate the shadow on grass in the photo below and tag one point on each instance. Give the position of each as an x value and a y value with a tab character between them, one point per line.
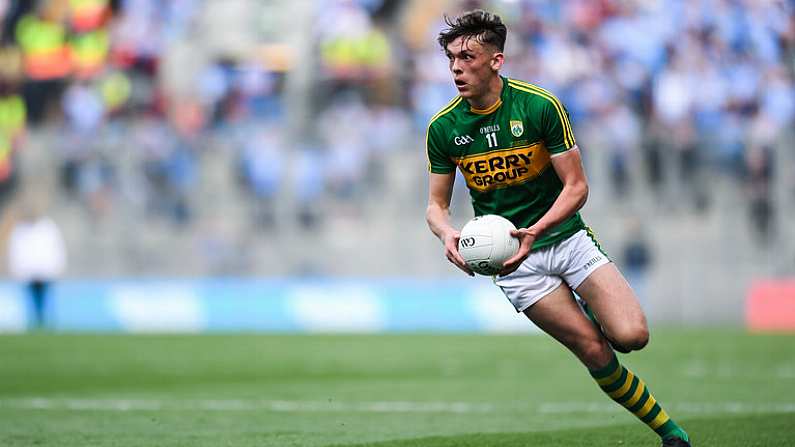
757	430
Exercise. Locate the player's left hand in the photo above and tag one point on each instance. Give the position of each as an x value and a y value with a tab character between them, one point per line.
526	238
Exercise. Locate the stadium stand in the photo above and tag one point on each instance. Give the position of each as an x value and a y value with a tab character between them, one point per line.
275	139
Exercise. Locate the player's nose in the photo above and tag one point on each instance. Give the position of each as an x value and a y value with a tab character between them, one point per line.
455	68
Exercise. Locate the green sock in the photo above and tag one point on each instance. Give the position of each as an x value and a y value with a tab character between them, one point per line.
630	392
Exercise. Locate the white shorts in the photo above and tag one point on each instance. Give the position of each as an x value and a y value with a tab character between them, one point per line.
571	259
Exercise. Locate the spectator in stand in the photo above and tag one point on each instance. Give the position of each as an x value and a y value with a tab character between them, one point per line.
636	258
346	148
261	165
352	48
761	207
309	182
12	132
86	173
41	36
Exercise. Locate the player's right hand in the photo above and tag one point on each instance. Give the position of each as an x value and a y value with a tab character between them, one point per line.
452	254
526	238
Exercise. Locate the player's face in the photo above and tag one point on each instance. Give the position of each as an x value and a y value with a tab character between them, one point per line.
473	65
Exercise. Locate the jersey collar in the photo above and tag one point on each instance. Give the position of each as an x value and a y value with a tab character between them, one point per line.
487	110
490	109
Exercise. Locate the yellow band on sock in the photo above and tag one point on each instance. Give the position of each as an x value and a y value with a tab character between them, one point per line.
611	378
635	397
646	408
624	388
661	418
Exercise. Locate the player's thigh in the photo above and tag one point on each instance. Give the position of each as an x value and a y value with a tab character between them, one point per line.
558	315
616	307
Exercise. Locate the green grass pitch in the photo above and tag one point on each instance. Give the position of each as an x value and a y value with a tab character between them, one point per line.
727	388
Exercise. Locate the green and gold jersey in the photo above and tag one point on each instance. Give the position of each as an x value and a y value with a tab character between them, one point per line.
504	153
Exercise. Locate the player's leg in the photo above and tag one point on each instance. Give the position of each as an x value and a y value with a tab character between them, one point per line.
559	315
615	307
620	318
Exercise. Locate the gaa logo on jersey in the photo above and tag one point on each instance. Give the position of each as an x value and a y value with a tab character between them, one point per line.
517	129
464	139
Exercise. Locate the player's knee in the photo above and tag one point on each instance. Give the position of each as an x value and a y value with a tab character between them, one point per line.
594	353
631	337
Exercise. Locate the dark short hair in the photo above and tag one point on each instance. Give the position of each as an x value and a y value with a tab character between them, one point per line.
484	26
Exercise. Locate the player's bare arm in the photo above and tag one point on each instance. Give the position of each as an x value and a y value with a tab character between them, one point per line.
568	166
438	217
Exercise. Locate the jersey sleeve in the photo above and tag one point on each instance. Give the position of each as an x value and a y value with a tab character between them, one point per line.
439	161
556	126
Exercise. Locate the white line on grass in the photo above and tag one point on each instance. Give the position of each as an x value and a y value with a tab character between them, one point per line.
300	406
40	403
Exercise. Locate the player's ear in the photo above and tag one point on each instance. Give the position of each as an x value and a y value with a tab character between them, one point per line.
497	59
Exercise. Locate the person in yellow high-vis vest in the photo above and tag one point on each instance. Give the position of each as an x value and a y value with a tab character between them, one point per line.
46	61
44	50
89	52
13	116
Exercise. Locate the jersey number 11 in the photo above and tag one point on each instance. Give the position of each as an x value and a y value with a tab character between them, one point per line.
491	138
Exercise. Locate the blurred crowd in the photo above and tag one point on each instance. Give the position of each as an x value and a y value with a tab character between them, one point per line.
685	90
84	69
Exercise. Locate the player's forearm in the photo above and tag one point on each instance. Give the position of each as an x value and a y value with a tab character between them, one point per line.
571	199
438	219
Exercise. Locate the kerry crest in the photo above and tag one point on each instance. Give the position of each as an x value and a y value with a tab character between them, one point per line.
517	129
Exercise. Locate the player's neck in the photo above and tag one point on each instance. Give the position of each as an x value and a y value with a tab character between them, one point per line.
490	97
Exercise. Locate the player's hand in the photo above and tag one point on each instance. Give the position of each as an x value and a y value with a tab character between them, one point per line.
451	252
526	238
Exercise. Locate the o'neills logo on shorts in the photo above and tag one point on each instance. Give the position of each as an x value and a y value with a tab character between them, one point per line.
505	167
